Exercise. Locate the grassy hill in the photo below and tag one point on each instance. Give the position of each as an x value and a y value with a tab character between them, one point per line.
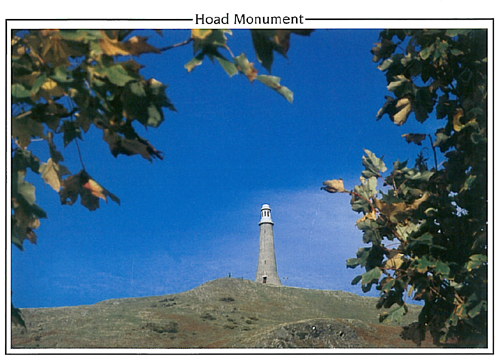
223	313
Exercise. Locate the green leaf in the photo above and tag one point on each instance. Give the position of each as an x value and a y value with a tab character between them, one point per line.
263	49
158	93
474	312
197	60
476	261
370	187
137	88
118	75
71	131
400	86
228	66
442	269
247	68
24	128
441	139
371	276
387	286
79	35
425	239
38	83
366	190
443	46
61	75
456	52
115	73
23	159
468	183
419	176
373	165
356	280
423	264
143	101
24	189
426	52
395	315
371	234
352	262
209	38
391	197
18	91
406	230
454	32
362	254
155	117
383	50
274	83
399	165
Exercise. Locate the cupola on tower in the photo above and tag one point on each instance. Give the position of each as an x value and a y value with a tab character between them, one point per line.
267	271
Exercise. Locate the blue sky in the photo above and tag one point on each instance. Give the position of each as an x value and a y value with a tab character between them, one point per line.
231	147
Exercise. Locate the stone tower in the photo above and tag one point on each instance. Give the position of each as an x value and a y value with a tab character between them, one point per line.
266	268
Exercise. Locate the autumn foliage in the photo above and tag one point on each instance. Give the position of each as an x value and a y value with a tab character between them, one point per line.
425	226
66	81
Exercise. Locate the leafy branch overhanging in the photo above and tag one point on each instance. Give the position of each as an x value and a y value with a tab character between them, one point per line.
428	231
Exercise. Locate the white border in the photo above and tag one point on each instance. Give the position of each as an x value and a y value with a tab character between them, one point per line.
331	24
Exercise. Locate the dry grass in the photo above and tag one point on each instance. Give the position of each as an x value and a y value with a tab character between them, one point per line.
224	313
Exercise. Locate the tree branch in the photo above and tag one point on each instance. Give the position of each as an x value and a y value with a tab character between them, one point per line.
434	151
185	42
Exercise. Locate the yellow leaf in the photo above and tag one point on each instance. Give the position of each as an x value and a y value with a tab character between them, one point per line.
96	189
457	125
369	216
418	201
389	209
209	37
34	223
52	88
334	186
410	292
200	34
52	173
403	110
112	47
395	262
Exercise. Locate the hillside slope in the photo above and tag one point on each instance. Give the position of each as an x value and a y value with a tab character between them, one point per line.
223	313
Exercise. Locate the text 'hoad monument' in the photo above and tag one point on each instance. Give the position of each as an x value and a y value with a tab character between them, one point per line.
267	271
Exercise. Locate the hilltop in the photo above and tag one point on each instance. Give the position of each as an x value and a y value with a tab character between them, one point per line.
223	313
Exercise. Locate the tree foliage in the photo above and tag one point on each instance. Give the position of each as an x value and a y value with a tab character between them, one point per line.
66	81
426	227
